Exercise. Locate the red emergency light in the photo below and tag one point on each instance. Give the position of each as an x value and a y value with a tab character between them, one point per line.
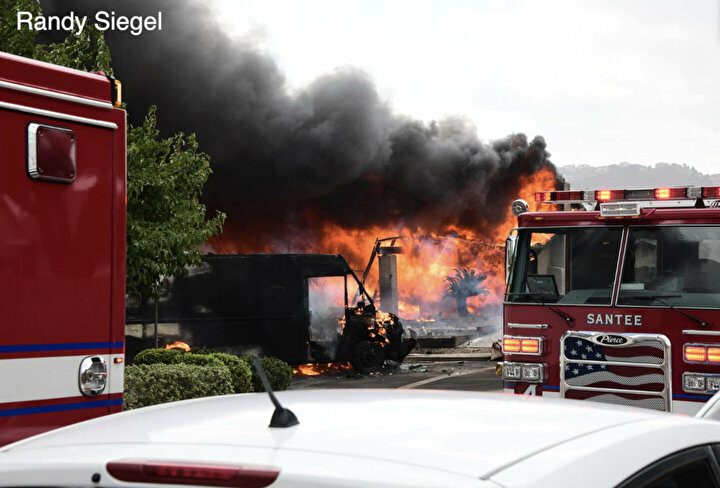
645	194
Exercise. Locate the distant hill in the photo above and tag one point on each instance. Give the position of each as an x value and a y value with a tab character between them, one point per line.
628	175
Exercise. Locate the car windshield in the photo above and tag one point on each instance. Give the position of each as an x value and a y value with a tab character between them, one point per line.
677	266
565	266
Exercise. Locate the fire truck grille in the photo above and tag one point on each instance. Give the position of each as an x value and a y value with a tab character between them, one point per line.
622	369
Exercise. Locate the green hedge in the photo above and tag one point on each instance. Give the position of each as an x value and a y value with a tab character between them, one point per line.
150	384
279	374
157	356
166	375
175	356
240	371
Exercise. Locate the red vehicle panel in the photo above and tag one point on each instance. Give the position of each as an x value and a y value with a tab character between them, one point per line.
62	248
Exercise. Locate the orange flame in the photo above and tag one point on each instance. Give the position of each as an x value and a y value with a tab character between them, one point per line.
429	257
318	369
178	345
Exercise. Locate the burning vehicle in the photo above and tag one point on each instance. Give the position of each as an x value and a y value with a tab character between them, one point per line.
293	306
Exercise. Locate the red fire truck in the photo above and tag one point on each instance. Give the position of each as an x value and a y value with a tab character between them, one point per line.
62	246
616	297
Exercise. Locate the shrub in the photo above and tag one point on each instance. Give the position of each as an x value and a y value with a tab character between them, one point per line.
279	374
240	371
174	356
157	356
150	384
199	360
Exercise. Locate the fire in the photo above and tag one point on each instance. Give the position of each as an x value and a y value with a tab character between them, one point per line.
430	255
178	345
318	369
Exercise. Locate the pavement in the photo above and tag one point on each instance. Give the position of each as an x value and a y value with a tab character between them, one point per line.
456	373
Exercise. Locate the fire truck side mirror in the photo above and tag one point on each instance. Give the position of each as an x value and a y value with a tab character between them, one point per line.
510	245
92	377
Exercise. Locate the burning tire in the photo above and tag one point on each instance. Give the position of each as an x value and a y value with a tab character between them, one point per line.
368	356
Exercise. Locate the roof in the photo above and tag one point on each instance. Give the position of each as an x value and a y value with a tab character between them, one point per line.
470	434
648	216
46	76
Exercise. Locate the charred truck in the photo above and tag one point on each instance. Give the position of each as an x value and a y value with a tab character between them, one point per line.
62	246
616	298
296	307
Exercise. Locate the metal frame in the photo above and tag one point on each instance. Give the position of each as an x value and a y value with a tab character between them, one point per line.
704	375
541	345
513	325
628	229
620	258
701	332
32	163
57	115
541	380
53	94
665	366
699	344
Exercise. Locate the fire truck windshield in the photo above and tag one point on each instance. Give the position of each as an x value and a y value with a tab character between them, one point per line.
677	266
565	266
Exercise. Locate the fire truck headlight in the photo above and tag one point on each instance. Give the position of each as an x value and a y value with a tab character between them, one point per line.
512	371
693	382
526	372
712	383
532	372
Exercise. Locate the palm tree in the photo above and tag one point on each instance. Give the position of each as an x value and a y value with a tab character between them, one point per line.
465	283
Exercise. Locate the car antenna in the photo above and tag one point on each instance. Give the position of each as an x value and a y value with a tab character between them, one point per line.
281	417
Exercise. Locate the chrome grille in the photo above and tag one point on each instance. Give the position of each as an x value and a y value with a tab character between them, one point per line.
621	369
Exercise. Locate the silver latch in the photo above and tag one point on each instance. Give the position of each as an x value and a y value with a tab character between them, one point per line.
92	377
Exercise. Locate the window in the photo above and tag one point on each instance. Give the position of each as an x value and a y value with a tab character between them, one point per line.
565	266
677	266
691	468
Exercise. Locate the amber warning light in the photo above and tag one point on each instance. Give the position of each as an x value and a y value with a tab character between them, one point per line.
522	345
702	353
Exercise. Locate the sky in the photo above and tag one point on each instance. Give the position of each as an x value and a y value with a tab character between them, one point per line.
603	81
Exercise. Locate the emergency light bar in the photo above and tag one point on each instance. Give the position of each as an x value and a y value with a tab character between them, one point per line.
646	194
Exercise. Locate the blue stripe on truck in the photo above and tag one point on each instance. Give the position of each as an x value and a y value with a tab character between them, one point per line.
62	407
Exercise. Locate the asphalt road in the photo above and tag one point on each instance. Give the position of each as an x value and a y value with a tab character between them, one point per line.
445	375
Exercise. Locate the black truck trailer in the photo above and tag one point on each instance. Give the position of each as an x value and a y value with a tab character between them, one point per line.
292	306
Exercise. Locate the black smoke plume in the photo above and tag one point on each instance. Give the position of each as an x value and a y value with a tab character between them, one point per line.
334	152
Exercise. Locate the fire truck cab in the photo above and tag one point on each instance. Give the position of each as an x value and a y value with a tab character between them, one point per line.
62	246
616	298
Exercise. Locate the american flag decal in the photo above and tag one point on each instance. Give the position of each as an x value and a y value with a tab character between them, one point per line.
634	374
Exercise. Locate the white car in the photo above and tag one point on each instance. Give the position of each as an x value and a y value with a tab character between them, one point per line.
374	438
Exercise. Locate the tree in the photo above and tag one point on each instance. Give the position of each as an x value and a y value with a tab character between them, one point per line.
14	40
166	223
463	285
87	51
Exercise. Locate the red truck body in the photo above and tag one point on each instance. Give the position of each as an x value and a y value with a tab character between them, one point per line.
619	305
62	247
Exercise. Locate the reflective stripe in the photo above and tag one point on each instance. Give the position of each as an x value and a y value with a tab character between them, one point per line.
58	115
44	378
53	94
